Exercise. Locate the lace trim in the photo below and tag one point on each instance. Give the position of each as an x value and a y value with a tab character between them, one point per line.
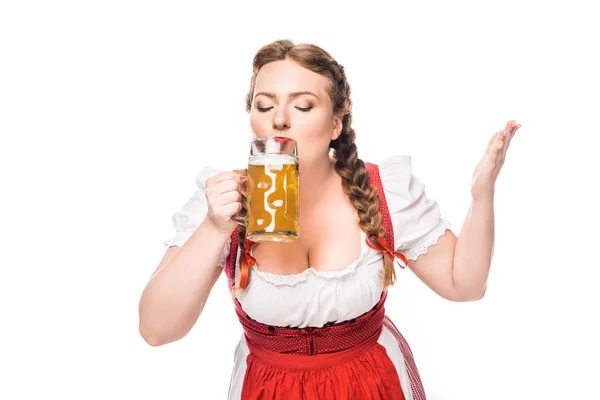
294	279
431	239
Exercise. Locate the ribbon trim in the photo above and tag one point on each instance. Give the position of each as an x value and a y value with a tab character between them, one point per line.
247	262
381	245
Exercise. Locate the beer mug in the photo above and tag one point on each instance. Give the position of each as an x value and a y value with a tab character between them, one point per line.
270	196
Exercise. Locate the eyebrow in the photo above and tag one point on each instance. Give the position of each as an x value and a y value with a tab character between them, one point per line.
291	95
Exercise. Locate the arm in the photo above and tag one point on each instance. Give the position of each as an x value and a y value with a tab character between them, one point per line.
177	291
457	269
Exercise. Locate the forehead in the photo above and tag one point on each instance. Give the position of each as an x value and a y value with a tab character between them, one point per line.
286	76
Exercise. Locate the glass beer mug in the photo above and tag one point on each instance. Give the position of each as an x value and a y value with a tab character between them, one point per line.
270	196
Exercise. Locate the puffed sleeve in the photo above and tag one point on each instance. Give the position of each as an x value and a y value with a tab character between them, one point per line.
187	218
417	220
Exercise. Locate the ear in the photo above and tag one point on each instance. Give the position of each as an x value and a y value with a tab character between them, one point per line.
337	126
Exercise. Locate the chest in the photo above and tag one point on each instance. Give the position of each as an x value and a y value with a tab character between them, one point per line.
330	238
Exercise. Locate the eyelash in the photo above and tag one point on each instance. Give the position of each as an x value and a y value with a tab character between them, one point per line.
307	109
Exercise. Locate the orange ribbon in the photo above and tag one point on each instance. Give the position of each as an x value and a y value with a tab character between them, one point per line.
247	261
384	248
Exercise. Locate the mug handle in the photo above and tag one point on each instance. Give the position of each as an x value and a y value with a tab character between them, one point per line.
242	216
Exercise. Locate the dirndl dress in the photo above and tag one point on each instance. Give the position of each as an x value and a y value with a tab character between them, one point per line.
340	361
325	335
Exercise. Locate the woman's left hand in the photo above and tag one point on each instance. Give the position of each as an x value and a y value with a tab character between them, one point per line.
484	177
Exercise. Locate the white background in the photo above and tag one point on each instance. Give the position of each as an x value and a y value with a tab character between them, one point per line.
106	114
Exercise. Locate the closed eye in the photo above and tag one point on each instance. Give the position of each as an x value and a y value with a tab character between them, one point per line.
265	109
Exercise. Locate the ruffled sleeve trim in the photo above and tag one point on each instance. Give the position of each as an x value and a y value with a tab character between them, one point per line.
416	219
432	238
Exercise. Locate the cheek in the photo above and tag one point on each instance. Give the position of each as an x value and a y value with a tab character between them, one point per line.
316	125
257	124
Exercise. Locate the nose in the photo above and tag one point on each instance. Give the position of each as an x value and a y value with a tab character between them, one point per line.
281	119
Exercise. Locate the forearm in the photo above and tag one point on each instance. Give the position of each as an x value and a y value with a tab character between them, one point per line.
474	249
175	295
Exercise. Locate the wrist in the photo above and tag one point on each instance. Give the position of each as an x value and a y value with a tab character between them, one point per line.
482	205
485	197
216	230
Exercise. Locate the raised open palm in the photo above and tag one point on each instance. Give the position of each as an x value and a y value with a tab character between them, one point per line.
488	168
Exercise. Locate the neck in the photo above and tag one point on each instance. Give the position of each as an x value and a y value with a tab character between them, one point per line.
316	173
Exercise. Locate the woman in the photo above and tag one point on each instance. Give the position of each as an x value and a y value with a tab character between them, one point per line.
313	310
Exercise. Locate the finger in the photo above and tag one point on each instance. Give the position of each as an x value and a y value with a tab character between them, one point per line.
497	160
493	142
496	152
220	177
515	129
509	125
214	191
511	135
241	173
230	210
230	197
502	150
226	186
505	149
501	142
508	140
224	201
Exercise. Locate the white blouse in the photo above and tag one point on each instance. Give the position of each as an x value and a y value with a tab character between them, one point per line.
314	298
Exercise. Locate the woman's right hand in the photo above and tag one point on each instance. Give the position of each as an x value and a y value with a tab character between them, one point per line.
223	197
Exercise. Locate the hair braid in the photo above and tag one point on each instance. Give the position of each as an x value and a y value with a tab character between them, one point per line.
354	174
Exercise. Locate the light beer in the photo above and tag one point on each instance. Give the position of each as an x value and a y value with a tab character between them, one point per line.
273	198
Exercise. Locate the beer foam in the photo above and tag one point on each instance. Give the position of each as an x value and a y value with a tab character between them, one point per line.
272	159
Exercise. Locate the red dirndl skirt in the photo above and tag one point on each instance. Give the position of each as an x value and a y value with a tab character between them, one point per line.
339	361
361	372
